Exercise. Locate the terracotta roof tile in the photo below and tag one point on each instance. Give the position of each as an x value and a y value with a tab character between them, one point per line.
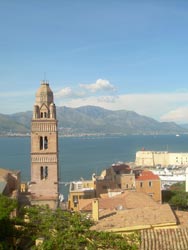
164	239
147	175
137	217
128	199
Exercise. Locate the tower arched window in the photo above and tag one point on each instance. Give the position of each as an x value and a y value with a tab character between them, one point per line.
41	173
46	172
43	143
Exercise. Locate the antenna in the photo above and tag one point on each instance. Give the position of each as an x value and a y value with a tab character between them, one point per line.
44	76
44	79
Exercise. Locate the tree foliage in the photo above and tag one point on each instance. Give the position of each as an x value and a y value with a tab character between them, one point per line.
58	229
178	197
7	228
65	230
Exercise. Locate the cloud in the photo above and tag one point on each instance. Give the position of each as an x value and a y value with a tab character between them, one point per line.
65	92
179	115
99	85
86	90
68	92
107	99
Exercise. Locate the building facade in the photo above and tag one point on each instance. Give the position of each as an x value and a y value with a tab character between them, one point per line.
44	149
150	184
84	189
163	158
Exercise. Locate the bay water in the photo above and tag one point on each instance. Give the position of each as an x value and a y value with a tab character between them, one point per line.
80	157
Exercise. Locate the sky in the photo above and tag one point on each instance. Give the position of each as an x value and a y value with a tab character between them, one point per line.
116	54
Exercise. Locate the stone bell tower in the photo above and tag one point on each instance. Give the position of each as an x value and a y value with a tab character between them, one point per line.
44	149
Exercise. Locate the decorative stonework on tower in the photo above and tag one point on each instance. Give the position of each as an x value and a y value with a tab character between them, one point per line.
44	149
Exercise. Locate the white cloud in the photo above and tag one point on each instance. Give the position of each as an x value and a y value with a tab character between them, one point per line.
65	92
99	85
179	115
68	92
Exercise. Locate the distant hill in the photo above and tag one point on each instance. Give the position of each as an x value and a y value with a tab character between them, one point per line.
93	120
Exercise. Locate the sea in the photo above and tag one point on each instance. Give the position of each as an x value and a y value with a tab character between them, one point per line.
80	157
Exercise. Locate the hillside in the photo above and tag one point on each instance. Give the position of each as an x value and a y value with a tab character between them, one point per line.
93	120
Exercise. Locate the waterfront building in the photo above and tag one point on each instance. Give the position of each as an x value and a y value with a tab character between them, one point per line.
44	149
160	158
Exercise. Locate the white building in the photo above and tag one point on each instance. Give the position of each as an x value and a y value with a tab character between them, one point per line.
163	158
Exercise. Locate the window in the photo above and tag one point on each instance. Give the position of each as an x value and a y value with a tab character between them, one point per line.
43	172
43	142
141	184
75	200
46	172
150	184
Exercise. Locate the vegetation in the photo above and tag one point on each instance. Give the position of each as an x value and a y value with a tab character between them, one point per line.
7	228
176	196
65	230
58	230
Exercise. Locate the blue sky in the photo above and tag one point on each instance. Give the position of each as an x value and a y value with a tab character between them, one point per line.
117	54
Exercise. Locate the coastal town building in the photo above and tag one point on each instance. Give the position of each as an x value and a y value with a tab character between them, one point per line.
149	183
78	190
115	179
44	149
146	158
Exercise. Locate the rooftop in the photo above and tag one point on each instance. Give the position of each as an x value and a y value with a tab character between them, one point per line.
147	175
128	199
164	239
137	218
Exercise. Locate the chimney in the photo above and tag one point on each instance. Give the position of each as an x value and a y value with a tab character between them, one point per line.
95	209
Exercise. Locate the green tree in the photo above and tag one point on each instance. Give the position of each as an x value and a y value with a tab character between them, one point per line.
179	197
7	224
65	230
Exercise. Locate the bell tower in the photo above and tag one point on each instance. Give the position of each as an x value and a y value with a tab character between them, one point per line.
44	149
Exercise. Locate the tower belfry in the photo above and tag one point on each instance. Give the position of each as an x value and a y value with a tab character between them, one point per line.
44	149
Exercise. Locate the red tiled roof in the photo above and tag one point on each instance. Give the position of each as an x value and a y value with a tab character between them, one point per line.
147	175
160	215
128	199
164	239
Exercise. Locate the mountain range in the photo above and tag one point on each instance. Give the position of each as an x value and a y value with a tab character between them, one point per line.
92	120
